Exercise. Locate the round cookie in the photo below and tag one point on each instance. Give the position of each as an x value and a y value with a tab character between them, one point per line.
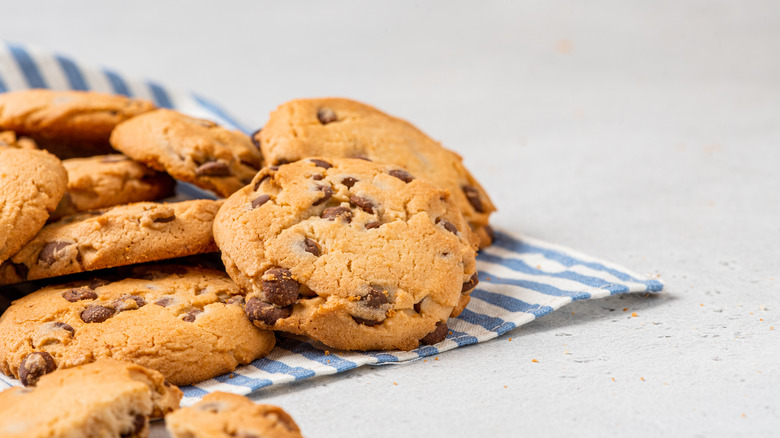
116	236
68	123
108	398
107	180
344	128
185	322
224	415
32	183
193	150
357	255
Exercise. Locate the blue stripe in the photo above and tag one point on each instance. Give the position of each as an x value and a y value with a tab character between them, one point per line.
215	109
510	303
160	96
117	83
73	73
3	87
542	288
383	357
242	380
462	338
193	391
276	367
491	323
306	350
29	68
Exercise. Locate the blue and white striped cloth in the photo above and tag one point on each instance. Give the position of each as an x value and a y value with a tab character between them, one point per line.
521	278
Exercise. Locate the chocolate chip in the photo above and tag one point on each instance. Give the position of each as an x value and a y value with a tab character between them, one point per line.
321	163
326	115
473	196
256	137
349	181
139	422
260	200
279	287
372	225
50	252
327	193
368	322
63	326
317	177
78	294
331	213
96	314
449	226
402	175
35	365
266	313
361	157
364	203
191	315
375	298
122	305
312	247
418	307
260	181
471	284
213	168
491	234
164	301
437	335
236	299
163	220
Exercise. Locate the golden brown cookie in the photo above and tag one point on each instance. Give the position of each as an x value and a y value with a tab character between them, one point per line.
107	180
117	236
355	254
224	415
68	123
31	184
108	398
185	322
344	128
193	150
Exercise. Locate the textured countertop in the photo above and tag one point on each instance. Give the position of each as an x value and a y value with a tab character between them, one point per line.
644	133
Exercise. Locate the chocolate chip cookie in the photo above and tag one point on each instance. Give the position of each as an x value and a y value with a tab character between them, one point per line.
108	398
193	150
185	322
117	236
107	180
32	183
68	123
358	255
224	415
345	128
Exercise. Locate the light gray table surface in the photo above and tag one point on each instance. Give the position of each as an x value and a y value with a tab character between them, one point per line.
645	133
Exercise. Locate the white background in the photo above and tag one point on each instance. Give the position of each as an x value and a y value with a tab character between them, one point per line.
645	133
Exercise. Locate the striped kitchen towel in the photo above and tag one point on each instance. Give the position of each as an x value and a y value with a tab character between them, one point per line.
521	278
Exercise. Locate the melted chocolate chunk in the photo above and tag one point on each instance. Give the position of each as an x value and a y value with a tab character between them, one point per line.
367	322
78	294
365	204
260	200
279	287
326	115
448	226
256	137
332	213
349	181
437	335
213	168
266	313
375	298
327	192
321	163
260	181
191	315
402	175
473	196
372	225
311	247
35	365
163	220
96	314
51	252
471	284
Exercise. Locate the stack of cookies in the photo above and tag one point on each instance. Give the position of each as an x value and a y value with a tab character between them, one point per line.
360	232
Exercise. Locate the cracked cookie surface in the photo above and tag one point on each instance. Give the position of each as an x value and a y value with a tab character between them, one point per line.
355	254
193	150
117	236
224	415
345	128
107	180
32	182
185	322
108	398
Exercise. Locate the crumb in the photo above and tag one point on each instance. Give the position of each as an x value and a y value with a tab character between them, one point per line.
436	358
634	315
613	379
504	386
395	383
538	266
760	319
625	309
327	361
425	360
327	353
231	376
534	361
642	379
572	312
510	339
743	415
701	304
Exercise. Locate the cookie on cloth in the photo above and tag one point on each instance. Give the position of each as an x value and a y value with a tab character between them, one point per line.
224	415
108	398
107	180
355	254
32	183
344	128
185	322
116	236
193	150
68	123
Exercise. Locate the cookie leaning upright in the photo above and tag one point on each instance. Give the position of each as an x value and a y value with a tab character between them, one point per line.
344	128
32	184
193	150
358	255
108	398
68	123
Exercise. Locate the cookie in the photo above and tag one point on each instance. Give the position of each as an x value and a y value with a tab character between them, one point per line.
185	322
117	236
193	150
355	254
224	415
32	183
108	398
107	180
9	139
68	123
345	128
